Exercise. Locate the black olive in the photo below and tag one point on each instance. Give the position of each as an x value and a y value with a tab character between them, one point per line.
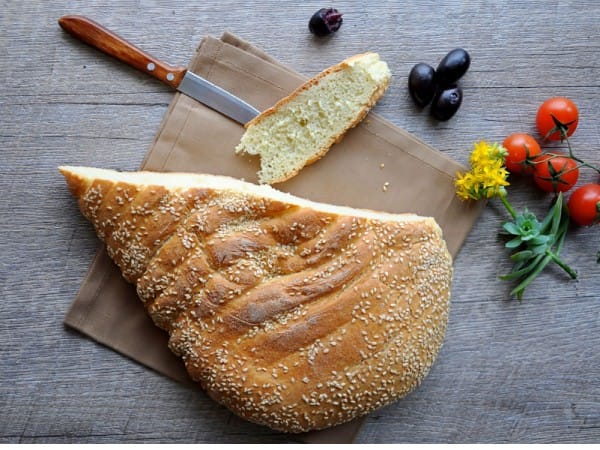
325	21
446	103
453	66
421	84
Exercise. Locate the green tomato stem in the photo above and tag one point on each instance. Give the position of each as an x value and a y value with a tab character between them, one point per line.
581	162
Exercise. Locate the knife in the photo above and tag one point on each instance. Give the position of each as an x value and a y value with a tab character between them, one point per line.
178	77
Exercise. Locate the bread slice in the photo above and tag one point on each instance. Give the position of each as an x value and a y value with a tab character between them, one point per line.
293	314
301	127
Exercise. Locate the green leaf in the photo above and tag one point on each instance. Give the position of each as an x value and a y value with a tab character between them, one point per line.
548	219
556	214
514	243
519	265
539	249
516	274
540	239
520	289
523	255
561	234
511	228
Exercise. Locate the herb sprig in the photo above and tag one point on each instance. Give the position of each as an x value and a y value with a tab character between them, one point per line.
536	244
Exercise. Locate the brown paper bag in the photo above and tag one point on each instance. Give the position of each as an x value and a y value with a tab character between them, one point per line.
195	138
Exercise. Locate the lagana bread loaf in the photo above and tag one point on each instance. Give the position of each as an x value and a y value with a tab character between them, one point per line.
301	127
293	314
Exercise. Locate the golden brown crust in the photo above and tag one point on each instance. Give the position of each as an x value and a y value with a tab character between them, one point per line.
377	94
305	86
292	317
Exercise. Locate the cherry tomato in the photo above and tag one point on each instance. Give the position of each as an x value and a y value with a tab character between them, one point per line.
584	204
522	149
555	173
563	110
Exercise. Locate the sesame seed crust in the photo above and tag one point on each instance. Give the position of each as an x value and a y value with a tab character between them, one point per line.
293	316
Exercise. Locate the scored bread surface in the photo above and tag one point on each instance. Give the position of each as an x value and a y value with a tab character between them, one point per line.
301	128
293	314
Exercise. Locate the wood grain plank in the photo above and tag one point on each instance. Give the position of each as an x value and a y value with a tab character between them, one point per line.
508	371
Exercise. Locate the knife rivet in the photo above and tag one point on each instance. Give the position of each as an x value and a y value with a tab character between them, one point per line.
170	76
150	67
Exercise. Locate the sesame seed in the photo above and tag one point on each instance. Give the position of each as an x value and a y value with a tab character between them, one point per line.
377	291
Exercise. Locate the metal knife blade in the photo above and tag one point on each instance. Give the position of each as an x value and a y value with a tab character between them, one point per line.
217	98
180	78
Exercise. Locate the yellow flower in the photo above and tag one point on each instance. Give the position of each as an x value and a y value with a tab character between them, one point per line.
484	153
487	176
479	154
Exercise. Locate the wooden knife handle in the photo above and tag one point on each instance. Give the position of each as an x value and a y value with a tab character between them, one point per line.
97	36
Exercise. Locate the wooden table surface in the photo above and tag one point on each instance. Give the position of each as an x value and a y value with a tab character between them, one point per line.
508	371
